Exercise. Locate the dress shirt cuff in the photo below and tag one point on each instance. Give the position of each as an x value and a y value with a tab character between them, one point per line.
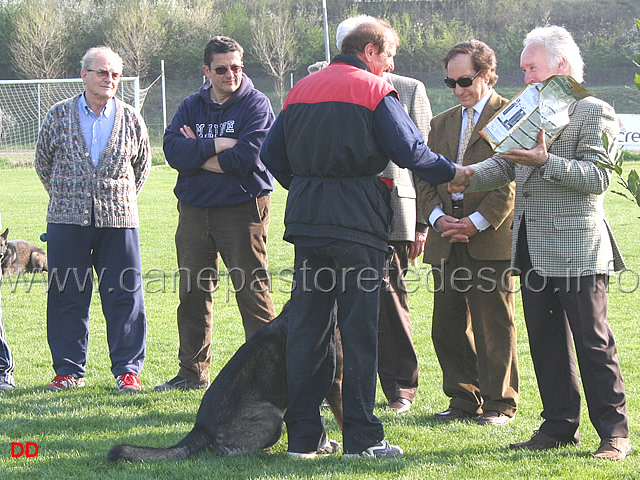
479	221
436	213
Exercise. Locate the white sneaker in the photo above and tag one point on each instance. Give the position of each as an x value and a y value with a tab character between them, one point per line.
381	449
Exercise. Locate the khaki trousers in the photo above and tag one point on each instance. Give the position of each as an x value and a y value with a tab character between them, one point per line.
474	334
238	234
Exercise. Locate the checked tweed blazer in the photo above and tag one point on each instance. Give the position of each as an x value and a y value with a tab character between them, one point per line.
406	212
562	201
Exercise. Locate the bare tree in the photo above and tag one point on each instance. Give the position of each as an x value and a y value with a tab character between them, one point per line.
38	47
137	34
274	44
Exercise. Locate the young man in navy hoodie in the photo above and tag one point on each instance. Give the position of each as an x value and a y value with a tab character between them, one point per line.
223	192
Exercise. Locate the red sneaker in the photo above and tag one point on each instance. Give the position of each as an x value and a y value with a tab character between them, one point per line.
128	382
61	382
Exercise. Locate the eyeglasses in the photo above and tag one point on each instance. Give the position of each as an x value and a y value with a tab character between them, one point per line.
464	82
222	69
104	74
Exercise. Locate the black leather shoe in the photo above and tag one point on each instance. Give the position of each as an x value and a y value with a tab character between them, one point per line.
541	441
453	413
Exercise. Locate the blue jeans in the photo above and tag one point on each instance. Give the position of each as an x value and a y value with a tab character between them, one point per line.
350	275
6	359
114	253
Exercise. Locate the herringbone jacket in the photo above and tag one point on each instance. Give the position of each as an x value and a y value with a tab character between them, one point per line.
562	202
406	211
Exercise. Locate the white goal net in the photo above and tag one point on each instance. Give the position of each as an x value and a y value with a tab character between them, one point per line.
24	103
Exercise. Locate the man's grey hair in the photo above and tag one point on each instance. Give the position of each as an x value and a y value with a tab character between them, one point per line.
347	26
87	60
559	44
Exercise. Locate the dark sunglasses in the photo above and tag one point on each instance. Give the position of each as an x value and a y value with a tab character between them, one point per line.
464	82
104	74
221	70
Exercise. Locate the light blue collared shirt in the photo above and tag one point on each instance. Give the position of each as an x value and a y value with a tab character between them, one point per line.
96	129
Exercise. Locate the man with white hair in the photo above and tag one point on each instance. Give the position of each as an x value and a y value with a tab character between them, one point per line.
346	26
564	249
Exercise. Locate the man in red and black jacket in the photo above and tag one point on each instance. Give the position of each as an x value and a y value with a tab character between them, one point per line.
335	135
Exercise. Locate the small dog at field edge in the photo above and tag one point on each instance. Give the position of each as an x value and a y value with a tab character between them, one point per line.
20	256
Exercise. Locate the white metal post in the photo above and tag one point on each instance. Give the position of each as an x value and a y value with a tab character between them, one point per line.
327	54
164	98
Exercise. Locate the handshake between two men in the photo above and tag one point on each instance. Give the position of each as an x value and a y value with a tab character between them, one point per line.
460	230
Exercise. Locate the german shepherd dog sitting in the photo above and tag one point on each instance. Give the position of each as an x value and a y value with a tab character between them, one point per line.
243	409
20	256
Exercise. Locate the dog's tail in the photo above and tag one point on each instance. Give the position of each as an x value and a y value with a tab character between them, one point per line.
194	442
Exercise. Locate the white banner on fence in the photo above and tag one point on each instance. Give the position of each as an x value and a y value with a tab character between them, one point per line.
629	138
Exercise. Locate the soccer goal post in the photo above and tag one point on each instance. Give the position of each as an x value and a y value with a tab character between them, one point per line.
24	103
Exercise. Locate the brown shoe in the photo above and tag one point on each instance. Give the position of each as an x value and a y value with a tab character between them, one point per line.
400	405
453	413
541	441
613	448
492	417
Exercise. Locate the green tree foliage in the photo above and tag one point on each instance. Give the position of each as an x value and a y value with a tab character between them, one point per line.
7	22
177	30
87	24
632	183
234	23
188	28
310	32
422	45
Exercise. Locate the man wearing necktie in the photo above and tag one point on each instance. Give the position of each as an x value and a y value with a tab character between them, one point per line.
469	248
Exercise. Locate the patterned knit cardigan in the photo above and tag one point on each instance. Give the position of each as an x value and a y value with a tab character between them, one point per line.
75	185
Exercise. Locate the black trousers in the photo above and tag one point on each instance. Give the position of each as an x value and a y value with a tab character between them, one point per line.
557	310
349	274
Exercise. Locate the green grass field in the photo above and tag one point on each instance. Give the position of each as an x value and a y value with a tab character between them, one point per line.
75	429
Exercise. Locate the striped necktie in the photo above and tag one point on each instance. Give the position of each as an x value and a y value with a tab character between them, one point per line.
467	134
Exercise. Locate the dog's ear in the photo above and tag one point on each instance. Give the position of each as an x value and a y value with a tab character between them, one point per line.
5	234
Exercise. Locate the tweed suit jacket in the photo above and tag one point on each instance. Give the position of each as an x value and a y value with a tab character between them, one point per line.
562	201
406	212
496	206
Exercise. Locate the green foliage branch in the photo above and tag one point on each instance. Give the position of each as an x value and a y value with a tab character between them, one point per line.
632	183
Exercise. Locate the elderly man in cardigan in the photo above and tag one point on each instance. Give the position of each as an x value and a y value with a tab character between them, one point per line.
93	158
